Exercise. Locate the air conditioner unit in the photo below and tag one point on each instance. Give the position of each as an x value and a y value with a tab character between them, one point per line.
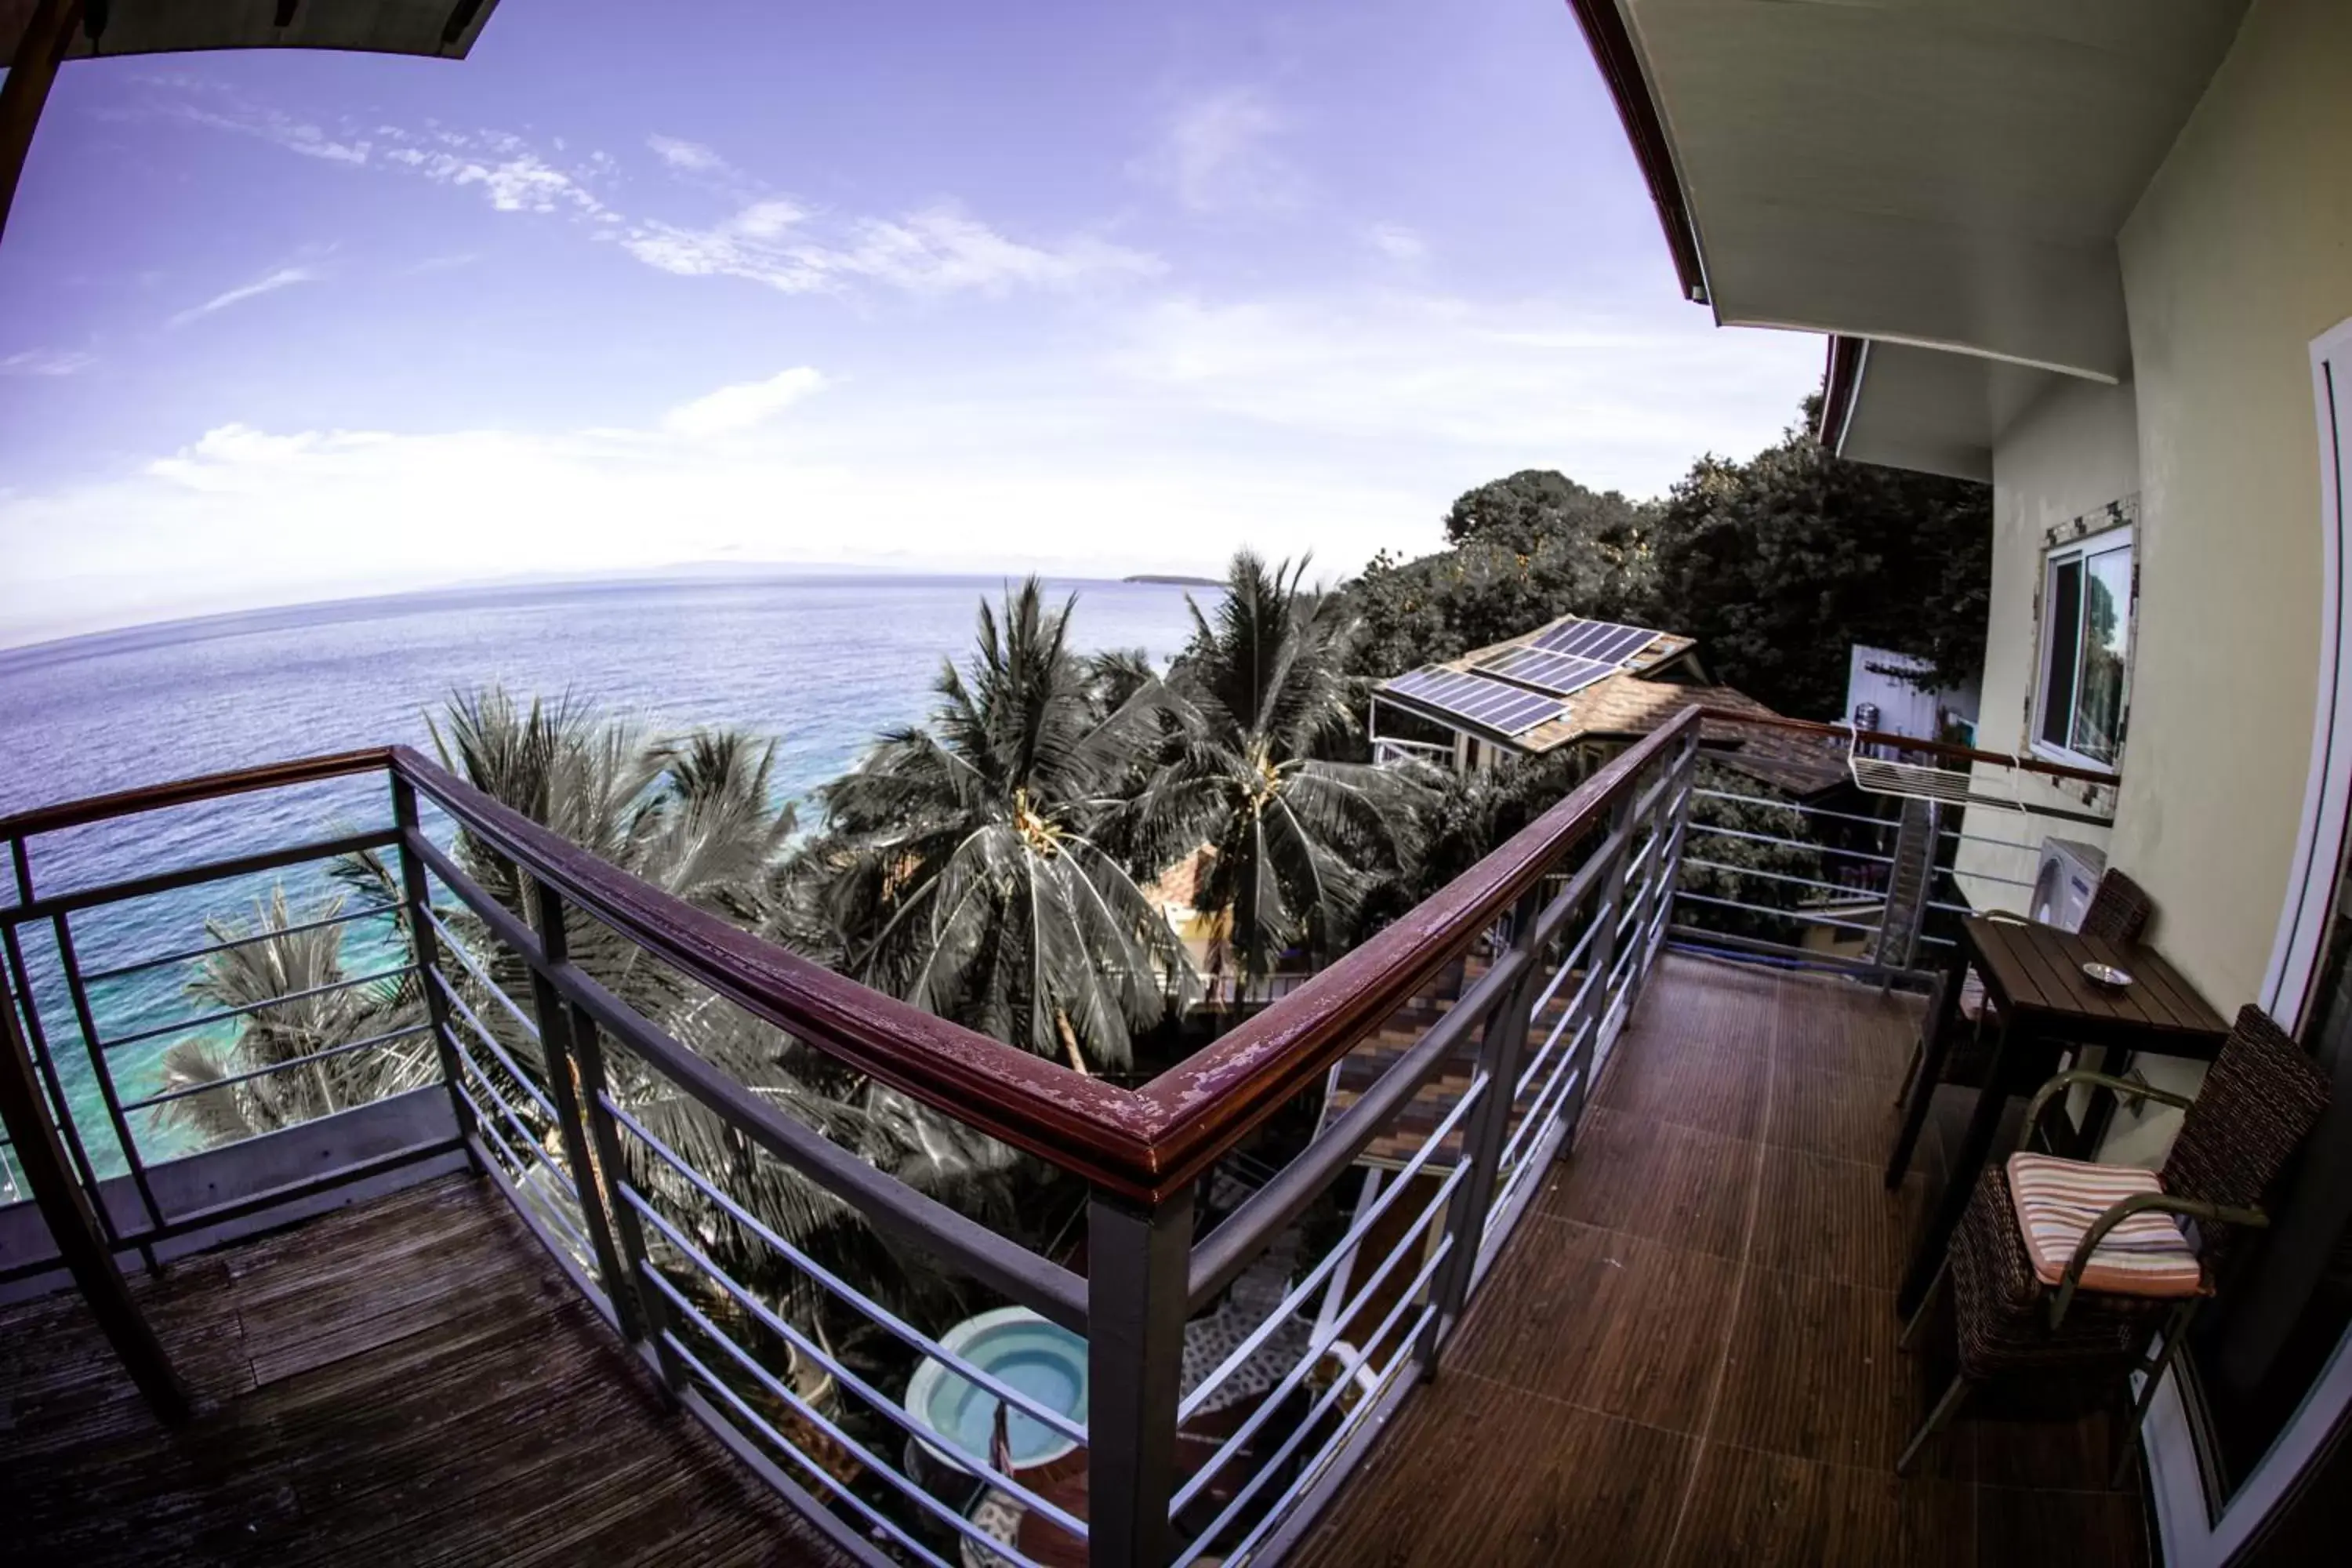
2069	876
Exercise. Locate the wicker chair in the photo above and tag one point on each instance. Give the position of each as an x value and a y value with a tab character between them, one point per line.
2261	1099
2119	911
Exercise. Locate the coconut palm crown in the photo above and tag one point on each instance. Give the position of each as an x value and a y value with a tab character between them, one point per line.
959	862
1296	839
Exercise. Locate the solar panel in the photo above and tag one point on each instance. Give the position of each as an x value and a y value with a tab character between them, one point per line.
1481	699
1606	641
1562	674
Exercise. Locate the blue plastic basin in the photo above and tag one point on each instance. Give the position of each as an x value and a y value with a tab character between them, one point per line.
1040	1360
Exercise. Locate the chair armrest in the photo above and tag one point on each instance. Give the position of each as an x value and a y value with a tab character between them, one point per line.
2135	1089
2116	1213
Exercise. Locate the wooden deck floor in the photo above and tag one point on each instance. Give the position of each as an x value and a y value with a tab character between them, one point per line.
412	1381
1688	1355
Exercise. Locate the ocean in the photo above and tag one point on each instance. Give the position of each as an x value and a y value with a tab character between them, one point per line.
822	664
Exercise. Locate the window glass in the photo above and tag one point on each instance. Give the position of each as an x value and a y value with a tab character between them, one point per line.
2106	646
2087	651
2064	608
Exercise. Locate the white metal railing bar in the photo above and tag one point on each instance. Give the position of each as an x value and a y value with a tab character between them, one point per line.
1768	838
907	1333
473	1021
1566	964
1785	877
529	1025
1878	822
1536	1112
775	1386
1330	1396
884	1405
1567	1016
1189	1405
1767	909
116	972
513	1118
206	1020
390	1036
1198	1482
1956	834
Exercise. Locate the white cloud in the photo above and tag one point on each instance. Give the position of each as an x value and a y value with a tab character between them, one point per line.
733	410
1335	426
1213	153
513	176
691	156
284	277
47	362
939	250
1399	244
1614	400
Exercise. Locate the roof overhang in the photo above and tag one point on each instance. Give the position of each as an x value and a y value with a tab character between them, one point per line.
1923	409
1932	174
445	29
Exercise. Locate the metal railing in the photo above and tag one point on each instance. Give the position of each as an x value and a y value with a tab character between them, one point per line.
1235	1371
1773	874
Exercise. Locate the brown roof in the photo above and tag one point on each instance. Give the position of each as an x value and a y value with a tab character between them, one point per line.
1622	706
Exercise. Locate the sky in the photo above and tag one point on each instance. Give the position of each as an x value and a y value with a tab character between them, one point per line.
1084	289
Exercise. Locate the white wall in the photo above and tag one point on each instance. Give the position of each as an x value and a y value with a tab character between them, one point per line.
2237	256
2073	452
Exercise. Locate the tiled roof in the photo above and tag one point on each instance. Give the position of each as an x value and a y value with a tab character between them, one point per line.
1624	706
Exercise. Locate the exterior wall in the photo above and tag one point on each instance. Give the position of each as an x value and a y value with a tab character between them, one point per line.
2072	454
2238	255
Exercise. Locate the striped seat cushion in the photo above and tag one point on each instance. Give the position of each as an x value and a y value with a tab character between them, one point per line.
2058	1200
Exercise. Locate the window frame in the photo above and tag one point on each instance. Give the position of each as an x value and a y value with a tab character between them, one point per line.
2081	551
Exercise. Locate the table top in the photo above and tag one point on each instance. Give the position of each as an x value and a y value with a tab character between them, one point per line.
2033	968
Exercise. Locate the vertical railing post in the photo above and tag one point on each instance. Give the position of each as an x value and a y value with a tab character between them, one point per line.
1673	811
1601	962
1589	1008
558	1059
1502	1045
425	952
70	1214
1138	1260
647	1315
37	1038
87	1022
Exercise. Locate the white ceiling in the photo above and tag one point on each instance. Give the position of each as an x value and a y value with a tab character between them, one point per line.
1948	173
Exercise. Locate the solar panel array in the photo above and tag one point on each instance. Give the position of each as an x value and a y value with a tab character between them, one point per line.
1496	705
1604	641
1563	674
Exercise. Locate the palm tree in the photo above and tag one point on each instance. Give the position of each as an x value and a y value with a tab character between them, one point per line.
1295	840
287	962
694	817
958	867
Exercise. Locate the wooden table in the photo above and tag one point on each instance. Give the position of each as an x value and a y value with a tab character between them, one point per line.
2033	978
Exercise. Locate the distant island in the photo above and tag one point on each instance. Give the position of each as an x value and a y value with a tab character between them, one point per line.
1175	580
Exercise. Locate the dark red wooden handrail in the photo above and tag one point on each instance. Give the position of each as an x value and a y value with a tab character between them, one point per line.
185	792
1146	1142
1945	749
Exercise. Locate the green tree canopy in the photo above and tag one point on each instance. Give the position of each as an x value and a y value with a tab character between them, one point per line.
1525	550
1778	565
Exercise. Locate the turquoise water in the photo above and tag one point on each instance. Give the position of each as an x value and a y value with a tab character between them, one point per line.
821	664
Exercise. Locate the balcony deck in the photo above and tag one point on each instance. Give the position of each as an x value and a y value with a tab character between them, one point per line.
410	1381
1687	1355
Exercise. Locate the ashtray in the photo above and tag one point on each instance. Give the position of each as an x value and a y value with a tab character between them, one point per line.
2108	975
